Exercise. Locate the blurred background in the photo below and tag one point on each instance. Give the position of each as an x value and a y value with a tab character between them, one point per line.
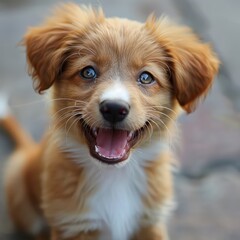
208	183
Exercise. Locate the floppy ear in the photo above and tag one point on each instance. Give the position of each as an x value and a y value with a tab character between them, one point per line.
48	44
193	64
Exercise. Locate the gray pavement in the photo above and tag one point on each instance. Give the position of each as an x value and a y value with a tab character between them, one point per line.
207	187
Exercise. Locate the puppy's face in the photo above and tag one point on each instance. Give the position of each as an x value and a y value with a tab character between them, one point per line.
119	87
117	82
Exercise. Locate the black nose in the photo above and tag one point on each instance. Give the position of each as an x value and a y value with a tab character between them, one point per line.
114	111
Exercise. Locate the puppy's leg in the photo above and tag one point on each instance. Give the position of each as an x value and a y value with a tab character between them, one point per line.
157	232
21	187
93	235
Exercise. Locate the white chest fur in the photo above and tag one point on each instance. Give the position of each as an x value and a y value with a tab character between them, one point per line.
115	205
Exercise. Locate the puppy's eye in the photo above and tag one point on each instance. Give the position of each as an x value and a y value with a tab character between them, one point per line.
88	73
146	78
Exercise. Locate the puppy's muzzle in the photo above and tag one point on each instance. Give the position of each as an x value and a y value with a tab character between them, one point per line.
114	111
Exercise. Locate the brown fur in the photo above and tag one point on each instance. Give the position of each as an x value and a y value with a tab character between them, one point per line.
157	232
82	236
51	184
192	63
22	181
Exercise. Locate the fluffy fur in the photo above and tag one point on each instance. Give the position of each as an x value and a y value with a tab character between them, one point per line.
59	183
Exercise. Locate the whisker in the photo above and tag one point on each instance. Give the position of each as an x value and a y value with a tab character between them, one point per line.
151	120
160	106
45	100
64	116
66	124
148	130
168	131
68	99
58	124
73	123
71	117
27	104
62	109
159	112
151	129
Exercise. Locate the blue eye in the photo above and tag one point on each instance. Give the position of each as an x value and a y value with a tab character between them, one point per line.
88	73
146	78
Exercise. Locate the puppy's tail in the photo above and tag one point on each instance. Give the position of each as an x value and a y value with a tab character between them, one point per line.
7	120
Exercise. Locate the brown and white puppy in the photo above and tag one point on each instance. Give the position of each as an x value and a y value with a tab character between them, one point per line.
103	171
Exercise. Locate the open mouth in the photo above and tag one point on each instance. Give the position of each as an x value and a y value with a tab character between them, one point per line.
110	145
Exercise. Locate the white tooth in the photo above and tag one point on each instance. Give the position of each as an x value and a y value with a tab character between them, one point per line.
96	149
95	131
130	135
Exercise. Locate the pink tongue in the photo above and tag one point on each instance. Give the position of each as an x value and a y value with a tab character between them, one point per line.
111	143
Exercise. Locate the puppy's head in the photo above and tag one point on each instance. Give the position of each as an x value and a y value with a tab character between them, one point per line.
117	82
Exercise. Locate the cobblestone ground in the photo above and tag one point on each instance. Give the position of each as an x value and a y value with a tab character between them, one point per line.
207	187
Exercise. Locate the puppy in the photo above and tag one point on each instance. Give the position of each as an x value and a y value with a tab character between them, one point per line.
103	170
